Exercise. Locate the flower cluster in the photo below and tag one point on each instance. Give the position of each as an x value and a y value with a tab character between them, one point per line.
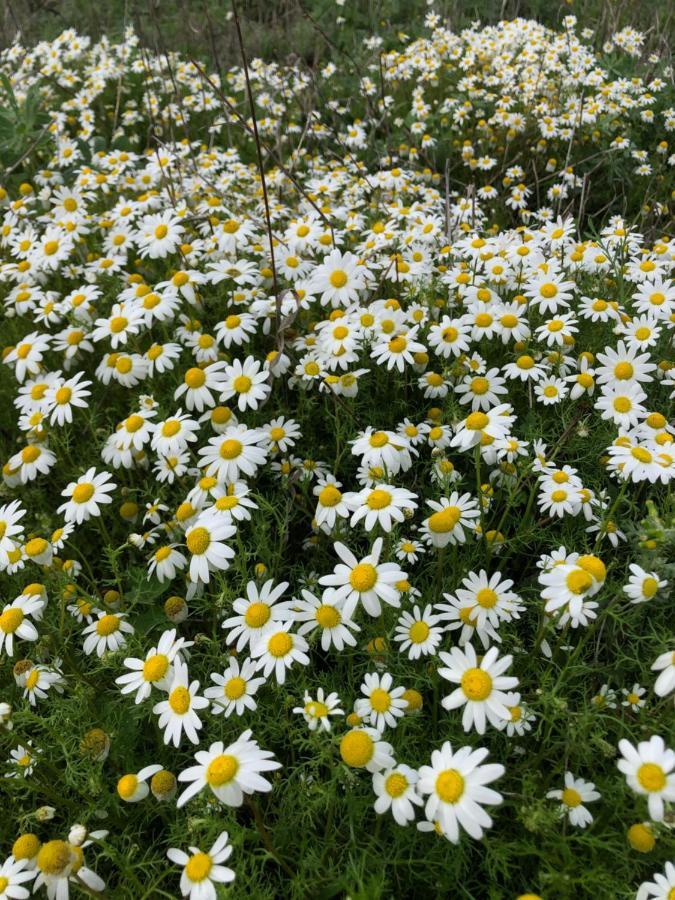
326	453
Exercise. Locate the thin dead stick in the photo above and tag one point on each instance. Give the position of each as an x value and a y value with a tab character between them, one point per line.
244	124
261	168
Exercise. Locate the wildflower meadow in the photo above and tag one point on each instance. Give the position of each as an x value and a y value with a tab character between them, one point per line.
337	530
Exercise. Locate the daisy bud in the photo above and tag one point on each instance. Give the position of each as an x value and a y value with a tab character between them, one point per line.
77	835
112	599
641	837
95	744
163	785
128	511
45	813
21	667
6	716
415	701
176	610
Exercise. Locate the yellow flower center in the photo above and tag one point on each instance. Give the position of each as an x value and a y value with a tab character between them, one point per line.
195	378
651	777
378	499
161	232
126	786
280	644
231	448
378	439
235	688
477	421
486	598
155	668
476	684
594	566
327	616
396	784
133	423
398	344
198	867
30	454
83	492
118	323
222	770
107	625
363	577
54	857
357	748
419	632
579	581
242	384
380	700
179	700
649	587
548	290
257	615
11	619
623	371
444	520
198	541
338	278
63	395
571	798
450	785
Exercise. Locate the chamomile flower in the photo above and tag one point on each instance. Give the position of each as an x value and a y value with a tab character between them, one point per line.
230	772
277	648
366	581
383	505
133	788
643	586
661	888
178	713
107	633
481	686
450	519
381	704
15	622
649	770
234	690
317	712
395	790
205	542
327	615
456	788
633	697
418	633
203	871
86	495
13	874
153	671
246	382
572	798
233	453
254	612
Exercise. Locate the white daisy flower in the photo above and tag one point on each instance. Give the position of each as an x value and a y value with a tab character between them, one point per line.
482	686
203	871
230	772
572	798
